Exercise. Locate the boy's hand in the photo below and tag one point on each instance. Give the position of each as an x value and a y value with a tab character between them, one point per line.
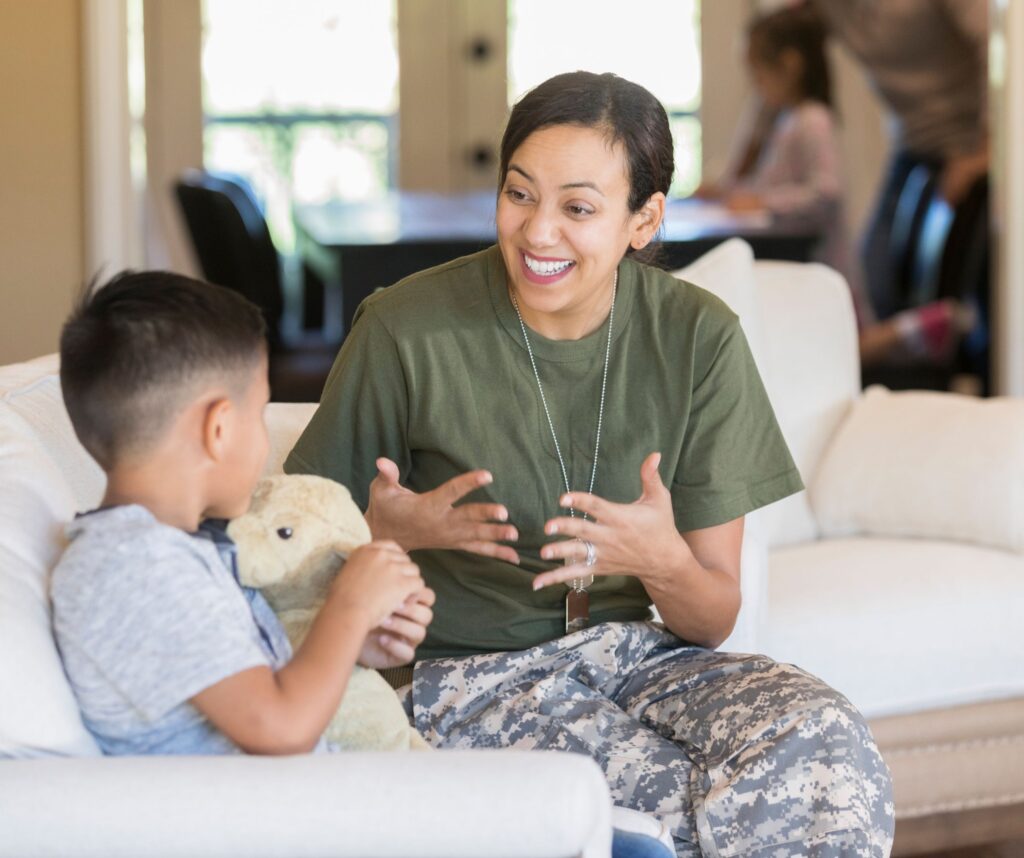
375	582
393	643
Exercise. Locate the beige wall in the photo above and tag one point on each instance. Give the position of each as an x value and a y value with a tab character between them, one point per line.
41	239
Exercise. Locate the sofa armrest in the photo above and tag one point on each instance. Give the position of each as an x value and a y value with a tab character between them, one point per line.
447	804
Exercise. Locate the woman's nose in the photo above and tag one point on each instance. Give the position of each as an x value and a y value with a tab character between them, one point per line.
540	228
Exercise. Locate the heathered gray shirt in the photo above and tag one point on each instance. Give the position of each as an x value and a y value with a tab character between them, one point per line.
928	61
146	616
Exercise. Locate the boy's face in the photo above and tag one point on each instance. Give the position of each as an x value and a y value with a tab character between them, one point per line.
247	451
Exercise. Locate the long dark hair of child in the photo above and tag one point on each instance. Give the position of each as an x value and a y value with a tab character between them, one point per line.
801	29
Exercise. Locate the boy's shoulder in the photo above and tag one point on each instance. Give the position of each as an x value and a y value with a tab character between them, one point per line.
110	552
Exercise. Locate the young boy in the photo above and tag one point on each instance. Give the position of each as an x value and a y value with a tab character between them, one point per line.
165	380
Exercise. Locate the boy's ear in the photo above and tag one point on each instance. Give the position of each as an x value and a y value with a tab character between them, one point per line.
216	427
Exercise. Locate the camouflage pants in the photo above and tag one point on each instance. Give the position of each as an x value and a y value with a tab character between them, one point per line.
737	754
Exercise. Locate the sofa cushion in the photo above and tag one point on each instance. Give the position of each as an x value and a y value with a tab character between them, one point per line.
39	715
899	625
907	464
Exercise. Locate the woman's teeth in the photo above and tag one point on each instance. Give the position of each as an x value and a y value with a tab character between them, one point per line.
546	269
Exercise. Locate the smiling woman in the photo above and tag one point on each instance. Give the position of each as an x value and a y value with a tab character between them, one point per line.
564	436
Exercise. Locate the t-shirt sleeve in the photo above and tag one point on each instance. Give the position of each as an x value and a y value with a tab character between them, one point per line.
734	458
162	629
363	413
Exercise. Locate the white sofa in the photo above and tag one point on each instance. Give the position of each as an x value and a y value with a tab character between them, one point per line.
898	577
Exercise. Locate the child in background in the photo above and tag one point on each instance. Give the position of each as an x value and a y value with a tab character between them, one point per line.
790	165
165	381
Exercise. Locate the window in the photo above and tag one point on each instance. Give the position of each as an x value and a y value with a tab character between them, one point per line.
658	49
301	99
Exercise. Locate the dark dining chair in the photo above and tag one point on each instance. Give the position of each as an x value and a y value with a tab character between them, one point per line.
234	249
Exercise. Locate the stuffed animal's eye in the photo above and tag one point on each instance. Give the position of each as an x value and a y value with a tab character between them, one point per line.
284	532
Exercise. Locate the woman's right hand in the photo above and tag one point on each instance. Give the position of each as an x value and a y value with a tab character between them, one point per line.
431	519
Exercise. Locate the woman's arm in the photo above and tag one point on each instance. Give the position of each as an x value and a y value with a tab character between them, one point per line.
698	595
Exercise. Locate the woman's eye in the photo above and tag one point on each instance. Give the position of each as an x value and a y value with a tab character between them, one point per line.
284	532
578	211
515	195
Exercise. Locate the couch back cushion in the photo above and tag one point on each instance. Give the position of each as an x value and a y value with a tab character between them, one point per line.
925	451
41	465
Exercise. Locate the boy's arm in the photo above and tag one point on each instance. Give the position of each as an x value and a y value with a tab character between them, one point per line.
286	712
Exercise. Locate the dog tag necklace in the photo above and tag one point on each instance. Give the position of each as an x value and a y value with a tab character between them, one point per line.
577	601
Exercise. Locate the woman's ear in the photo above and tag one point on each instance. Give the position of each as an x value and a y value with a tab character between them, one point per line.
216	428
647	220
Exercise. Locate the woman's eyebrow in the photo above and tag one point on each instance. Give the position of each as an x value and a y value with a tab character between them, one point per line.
564	187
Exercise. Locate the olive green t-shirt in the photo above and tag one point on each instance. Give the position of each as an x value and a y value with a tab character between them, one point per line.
435	376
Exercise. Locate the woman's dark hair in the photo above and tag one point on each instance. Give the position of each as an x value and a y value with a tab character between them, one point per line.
627	112
798	28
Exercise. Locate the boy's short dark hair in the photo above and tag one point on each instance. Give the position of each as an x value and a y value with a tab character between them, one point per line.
132	351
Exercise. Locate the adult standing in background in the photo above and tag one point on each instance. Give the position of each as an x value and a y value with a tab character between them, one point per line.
928	61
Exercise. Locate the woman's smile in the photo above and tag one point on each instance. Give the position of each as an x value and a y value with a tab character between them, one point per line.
544	269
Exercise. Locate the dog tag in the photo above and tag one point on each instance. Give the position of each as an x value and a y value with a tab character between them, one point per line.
577	610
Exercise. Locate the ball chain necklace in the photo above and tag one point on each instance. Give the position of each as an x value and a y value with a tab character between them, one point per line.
577	601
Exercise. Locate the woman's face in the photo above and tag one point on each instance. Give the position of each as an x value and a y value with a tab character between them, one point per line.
564	224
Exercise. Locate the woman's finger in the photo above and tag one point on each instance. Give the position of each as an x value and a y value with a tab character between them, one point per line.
458	487
568	550
592	505
578	527
483	511
489	549
564	574
485	532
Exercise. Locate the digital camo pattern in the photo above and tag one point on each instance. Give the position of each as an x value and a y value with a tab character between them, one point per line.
737	754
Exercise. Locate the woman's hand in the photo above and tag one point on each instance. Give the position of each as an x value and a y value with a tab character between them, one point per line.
637	539
431	519
693	578
393	643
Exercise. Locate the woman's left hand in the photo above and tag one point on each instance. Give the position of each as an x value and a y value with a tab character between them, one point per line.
637	539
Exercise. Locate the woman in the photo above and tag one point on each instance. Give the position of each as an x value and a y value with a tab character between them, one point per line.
564	436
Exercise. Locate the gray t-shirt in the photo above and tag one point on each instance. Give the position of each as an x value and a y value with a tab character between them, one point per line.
146	616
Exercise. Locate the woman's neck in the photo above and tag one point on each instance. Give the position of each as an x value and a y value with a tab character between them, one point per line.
571	323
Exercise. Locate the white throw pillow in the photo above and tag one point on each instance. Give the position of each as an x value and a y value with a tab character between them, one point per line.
926	465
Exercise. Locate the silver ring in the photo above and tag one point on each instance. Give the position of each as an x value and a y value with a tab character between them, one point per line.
591	553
